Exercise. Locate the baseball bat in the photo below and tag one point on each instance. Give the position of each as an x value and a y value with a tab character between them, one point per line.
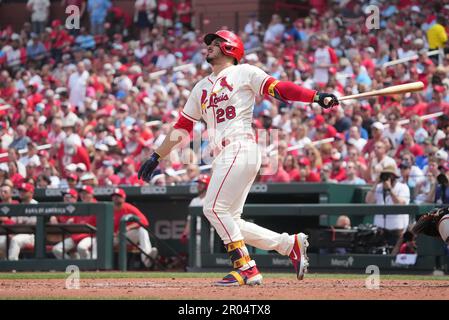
402	88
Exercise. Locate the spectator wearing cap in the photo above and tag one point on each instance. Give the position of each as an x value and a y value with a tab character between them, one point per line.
134	143
78	84
306	174
134	231
338	171
19	241
40	10
89	179
352	176
69	153
97	11
377	131
100	156
128	173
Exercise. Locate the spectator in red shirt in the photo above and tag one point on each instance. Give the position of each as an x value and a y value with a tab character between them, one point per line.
408	143
305	171
276	173
129	174
291	167
69	153
338	172
165	10
134	231
184	11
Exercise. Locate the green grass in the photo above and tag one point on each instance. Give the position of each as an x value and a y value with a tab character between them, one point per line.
211	275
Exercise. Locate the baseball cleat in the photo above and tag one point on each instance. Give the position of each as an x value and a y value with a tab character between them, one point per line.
238	277
299	255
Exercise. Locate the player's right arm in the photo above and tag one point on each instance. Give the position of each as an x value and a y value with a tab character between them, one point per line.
181	129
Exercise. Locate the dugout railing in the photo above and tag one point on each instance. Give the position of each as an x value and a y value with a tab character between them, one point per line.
292	218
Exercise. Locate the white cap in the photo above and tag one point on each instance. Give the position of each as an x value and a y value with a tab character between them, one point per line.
110	141
101	147
87	176
441	155
4	167
81	166
415	9
378	125
71	167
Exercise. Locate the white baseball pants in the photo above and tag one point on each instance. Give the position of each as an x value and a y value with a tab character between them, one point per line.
233	173
17	243
142	238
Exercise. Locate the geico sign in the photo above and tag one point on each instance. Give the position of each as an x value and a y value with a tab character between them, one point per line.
153	190
169	229
259	188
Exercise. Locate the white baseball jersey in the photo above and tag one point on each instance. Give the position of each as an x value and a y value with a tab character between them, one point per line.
226	101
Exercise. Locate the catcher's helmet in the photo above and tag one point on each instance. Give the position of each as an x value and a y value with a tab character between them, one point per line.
232	45
204	178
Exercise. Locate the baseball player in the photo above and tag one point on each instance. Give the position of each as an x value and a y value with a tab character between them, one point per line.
134	231
435	224
19	241
82	242
225	101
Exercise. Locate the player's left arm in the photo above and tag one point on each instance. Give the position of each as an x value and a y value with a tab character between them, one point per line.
286	90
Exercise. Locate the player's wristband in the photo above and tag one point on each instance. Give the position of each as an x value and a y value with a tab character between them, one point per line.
155	157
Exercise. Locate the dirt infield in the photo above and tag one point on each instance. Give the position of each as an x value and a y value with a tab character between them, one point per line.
200	288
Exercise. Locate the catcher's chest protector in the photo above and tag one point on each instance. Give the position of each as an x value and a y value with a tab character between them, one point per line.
443	228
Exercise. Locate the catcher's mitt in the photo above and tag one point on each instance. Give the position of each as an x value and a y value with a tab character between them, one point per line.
428	223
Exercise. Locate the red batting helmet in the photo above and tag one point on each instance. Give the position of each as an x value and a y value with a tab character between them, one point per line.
204	178
232	45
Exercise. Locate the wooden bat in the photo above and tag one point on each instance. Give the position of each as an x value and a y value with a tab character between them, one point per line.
402	88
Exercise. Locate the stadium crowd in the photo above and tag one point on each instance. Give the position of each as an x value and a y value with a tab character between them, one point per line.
96	98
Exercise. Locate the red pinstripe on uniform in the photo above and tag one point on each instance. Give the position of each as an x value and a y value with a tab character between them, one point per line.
219	189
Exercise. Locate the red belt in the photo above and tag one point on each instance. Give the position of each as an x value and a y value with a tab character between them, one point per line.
227	141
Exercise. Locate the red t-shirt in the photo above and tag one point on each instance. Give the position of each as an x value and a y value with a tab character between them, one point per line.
128	208
165	9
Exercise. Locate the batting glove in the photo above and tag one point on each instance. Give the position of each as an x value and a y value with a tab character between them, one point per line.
147	168
326	100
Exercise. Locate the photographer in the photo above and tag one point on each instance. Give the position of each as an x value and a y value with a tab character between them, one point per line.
388	190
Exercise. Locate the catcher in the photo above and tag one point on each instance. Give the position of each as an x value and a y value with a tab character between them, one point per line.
434	223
